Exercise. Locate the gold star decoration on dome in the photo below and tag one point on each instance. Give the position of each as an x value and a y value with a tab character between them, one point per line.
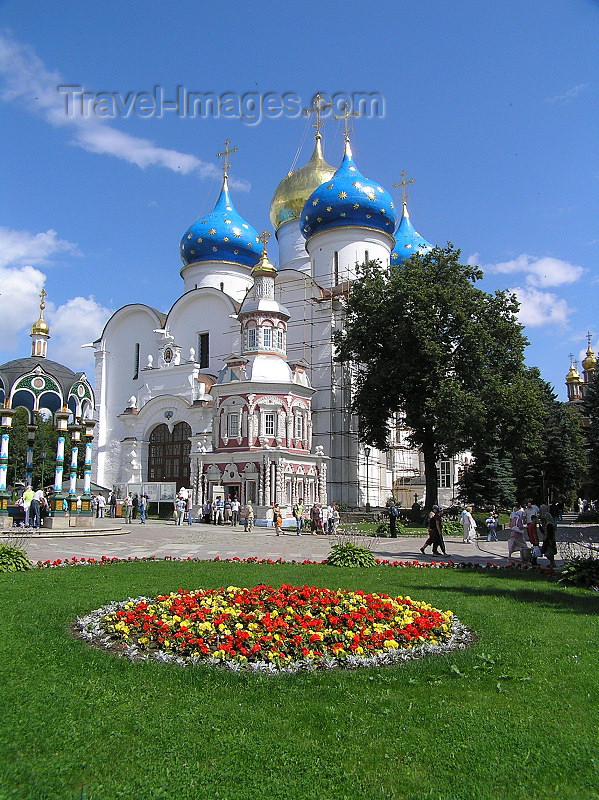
342	195
317	107
404	183
225	156
212	231
346	117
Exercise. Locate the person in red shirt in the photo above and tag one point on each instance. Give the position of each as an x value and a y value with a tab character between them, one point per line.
533	532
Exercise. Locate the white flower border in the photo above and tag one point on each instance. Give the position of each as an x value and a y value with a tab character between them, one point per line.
89	628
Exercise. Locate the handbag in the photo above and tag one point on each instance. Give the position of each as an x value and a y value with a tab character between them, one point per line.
536	551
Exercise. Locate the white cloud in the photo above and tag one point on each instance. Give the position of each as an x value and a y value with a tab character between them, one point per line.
541	308
78	321
20	289
27	81
22	247
568	95
540	272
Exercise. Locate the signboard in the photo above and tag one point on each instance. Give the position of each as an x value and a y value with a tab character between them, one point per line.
218	493
168	492
152	491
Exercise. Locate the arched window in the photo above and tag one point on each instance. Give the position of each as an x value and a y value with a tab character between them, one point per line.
23	399
51	401
169	454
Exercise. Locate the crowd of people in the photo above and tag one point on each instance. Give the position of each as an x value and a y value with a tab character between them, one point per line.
320	518
35	506
526	527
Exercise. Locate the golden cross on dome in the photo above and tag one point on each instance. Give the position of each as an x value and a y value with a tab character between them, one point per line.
317	107
43	294
225	154
346	115
403	183
264	238
589	339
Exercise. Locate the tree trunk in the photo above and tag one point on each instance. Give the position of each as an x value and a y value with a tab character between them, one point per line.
430	475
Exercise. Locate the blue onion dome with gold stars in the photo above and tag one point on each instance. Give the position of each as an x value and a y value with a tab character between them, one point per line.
407	239
348	200
222	235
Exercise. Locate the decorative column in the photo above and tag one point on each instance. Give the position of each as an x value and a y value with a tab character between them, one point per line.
31	429
86	498
62	418
75	431
266	481
5	426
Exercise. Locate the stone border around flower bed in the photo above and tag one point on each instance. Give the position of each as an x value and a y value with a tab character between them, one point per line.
105	560
88	628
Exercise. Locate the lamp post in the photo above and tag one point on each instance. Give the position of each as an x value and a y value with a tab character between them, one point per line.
543	484
5	428
367	455
43	455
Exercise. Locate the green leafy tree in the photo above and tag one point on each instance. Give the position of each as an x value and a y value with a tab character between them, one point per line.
591	411
489	480
430	345
550	462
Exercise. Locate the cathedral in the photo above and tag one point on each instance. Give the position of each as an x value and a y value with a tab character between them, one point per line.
235	389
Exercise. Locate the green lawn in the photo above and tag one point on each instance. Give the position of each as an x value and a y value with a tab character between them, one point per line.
513	716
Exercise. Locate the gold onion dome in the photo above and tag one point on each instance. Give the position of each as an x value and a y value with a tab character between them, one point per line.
40	327
590	362
293	191
573	375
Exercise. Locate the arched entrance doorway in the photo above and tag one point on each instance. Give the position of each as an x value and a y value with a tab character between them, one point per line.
169	454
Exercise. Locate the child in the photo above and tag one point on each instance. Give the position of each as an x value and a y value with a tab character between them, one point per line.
491	523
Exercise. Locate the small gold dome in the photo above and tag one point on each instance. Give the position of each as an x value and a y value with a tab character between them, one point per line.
590	362
293	191
573	375
40	327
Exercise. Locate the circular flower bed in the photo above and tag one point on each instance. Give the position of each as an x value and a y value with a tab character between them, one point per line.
283	629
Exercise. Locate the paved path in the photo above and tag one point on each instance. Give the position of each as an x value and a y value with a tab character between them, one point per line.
164	538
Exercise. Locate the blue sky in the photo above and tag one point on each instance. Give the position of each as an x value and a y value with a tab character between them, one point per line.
492	107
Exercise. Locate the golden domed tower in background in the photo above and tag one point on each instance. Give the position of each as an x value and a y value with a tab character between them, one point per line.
576	384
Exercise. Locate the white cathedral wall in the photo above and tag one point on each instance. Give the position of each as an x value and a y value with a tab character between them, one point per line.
352	245
232	279
114	383
292	247
200	311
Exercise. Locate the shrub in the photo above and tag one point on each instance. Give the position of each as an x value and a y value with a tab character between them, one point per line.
588	516
383	530
452	528
350	555
13	559
581	572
